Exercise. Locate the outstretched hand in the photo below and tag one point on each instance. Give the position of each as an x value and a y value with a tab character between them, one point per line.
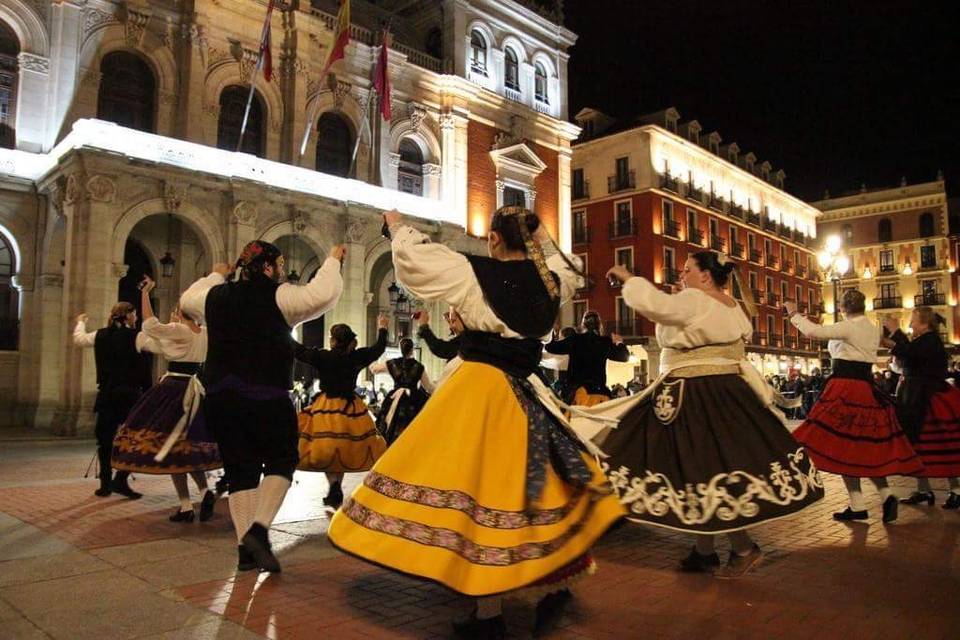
392	217
619	273
82	318
424	318
147	284
383	321
339	252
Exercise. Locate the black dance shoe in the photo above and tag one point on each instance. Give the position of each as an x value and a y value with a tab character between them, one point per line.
549	610
104	489
123	488
477	629
334	496
738	565
698	563
919	497
182	516
245	561
890	509
257	542
206	505
953	501
849	514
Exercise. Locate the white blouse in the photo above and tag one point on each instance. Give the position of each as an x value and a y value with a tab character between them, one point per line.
687	319
856	339
178	343
434	272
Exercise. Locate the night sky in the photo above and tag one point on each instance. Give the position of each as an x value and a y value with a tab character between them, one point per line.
834	93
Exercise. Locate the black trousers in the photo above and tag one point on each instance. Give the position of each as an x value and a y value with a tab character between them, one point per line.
112	407
256	437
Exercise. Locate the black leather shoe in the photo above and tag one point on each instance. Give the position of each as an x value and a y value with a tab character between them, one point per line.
485	629
123	488
182	516
334	496
257	542
953	501
206	505
104	490
849	514
890	509
549	610
919	497
245	561
697	563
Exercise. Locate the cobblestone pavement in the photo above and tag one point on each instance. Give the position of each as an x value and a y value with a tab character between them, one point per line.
74	566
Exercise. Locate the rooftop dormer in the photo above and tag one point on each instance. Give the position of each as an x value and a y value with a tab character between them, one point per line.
593	122
731	153
691	131
711	142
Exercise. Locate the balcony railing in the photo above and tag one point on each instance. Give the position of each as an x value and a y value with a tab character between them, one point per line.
930	300
788	266
695	193
775	340
622	182
581	192
755	255
622	229
582	235
888	268
784	231
800	271
669	183
717	243
736	211
789	342
671	275
772	299
930	265
671	228
803	344
716	203
769	224
736	250
753	218
695	236
772	261
757	295
888	303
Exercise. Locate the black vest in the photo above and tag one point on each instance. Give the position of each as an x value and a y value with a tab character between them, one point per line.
247	335
406	372
117	358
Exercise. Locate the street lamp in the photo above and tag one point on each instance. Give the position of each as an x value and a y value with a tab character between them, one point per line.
834	264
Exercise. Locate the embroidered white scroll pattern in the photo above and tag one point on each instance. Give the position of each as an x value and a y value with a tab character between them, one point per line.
668	401
655	495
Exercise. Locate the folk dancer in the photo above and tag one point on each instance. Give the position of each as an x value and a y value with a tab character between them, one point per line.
411	390
588	352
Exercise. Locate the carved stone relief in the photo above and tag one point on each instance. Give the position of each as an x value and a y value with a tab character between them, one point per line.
102	189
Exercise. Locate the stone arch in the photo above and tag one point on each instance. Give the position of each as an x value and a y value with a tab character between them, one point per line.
543	58
197	219
351	110
486	32
377	263
424	137
514	43
313	235
27	25
11	239
227	74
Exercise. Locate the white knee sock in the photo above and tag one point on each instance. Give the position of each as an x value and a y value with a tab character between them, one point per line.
273	489
883	488
489	607
183	492
856	495
200	478
243	504
923	485
954	485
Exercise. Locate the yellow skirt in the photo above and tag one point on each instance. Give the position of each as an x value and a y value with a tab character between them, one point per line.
446	501
582	398
338	435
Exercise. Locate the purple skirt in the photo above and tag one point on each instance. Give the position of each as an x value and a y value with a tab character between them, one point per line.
149	425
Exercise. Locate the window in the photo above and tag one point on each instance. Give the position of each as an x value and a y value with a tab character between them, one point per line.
811	298
579	185
928	256
767	247
513	197
770	325
334	145
751	242
929	290
584	261
580	233
783	291
753	281
624	258
579	310
847	234
886	261
624	219
9	305
667	210
540	83
9	74
769	285
734	238
926	225
694	235
127	91
233	106
478	52
888	291
799	294
714	228
623	170
410	171
785	328
511	70
670	274
884	230
624	318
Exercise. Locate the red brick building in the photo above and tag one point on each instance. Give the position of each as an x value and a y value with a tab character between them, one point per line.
650	192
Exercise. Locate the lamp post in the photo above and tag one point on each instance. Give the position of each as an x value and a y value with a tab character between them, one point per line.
834	264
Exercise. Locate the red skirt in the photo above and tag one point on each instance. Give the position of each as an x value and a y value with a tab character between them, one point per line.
852	432
938	443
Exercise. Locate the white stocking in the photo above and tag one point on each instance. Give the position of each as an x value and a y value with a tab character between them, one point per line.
883	488
856	495
273	490
243	505
183	492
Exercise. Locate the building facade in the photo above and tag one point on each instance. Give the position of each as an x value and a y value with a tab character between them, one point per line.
120	124
900	250
649	192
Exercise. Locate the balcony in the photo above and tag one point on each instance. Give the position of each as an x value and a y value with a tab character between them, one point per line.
772	300
736	250
788	266
789	342
695	236
775	340
582	235
622	182
622	229
715	203
772	261
757	295
669	183
803	344
888	268
513	93
717	243
759	338
800	271
769	224
581	191
930	300
755	256
753	218
888	303
671	276
930	265
671	228
736	211
696	194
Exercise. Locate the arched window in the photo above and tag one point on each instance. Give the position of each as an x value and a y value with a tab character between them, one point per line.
478	52
410	173
540	83
9	73
926	225
884	230
9	305
434	43
511	68
233	104
334	145
128	91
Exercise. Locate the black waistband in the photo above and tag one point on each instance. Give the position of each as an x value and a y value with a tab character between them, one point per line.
516	356
852	370
185	368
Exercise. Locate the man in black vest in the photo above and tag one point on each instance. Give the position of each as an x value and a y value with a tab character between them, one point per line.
117	350
248	374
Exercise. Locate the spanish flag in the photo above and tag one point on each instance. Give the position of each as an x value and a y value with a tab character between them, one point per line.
341	38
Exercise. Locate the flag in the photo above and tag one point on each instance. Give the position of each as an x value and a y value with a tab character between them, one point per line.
341	38
266	53
381	76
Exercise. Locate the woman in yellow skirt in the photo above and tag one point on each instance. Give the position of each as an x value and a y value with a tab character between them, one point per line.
589	351
337	434
488	492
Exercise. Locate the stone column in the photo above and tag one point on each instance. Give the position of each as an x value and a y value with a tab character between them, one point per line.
453	129
564	221
32	101
351	309
192	56
66	32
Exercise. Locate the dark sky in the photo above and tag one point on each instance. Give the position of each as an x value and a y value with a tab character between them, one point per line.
835	93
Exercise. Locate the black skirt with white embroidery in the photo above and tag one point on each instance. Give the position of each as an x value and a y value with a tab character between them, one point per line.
704	455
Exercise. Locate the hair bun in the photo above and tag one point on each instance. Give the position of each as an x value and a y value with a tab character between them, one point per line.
728	268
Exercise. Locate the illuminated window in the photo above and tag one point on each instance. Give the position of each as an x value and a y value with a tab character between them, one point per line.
540	84
511	70
478	52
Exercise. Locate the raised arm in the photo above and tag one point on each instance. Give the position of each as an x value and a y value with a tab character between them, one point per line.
80	336
560	347
302	304
429	271
364	357
193	301
836	331
618	350
446	349
904	350
664	308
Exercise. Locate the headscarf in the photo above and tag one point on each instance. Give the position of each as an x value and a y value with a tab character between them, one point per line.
255	256
534	250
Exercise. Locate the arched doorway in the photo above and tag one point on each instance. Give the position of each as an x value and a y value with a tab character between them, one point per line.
128	90
9	75
334	145
233	104
9	299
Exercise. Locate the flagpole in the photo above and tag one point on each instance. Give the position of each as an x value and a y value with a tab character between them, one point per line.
365	123
256	72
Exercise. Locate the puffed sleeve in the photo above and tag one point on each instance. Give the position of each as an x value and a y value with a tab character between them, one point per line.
836	331
193	301
673	309
80	336
302	304
430	271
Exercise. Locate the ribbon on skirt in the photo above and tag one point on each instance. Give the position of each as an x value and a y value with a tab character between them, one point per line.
395	404
191	405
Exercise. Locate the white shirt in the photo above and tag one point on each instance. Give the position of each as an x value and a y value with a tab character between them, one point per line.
296	303
857	339
178	343
687	319
82	338
434	272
